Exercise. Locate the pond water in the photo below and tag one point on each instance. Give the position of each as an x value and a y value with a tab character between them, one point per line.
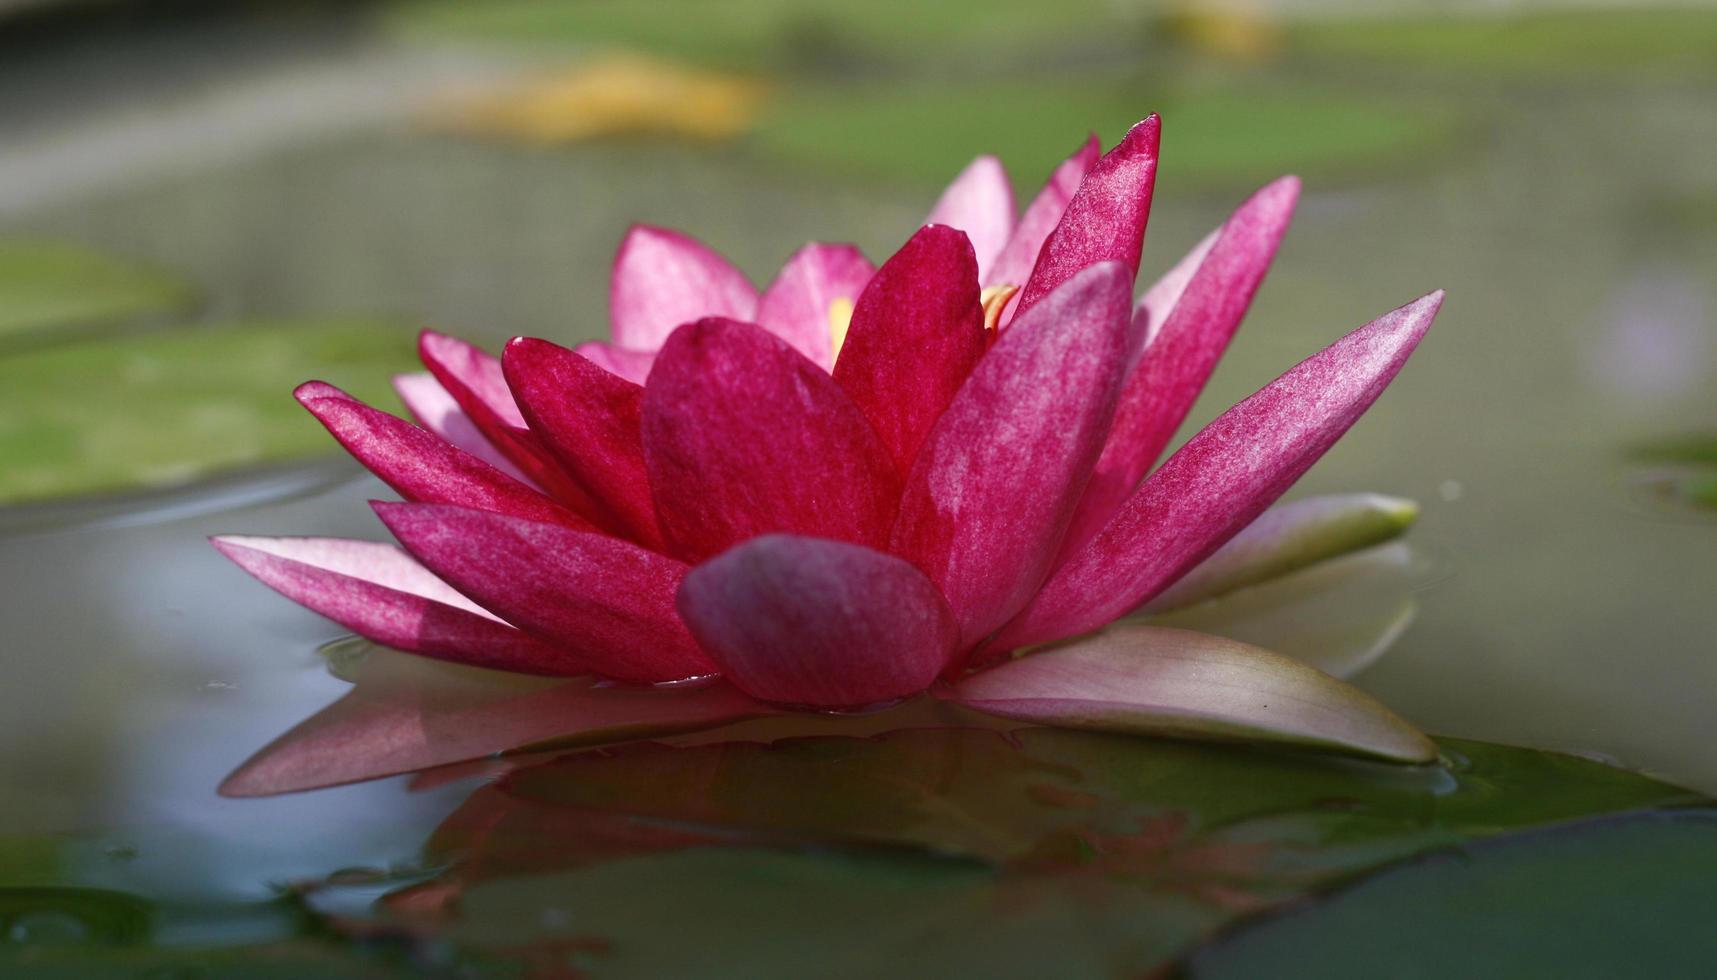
1566	608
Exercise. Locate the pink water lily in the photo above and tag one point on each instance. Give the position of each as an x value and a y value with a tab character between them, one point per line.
862	485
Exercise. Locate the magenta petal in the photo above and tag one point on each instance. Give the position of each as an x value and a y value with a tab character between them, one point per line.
989	498
610	601
796	305
588	418
1105	221
421	467
633	365
1221	480
1197	321
1041	216
744	436
916	332
805	621
437	411
662	279
980	202
379	592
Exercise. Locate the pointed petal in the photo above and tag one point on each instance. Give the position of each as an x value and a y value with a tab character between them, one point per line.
980	202
435	410
1222	479
610	601
1147	680
633	365
1105	221
916	332
806	621
663	279
1197	323
1041	216
744	436
421	467
379	592
588	418
995	484
1289	537
796	305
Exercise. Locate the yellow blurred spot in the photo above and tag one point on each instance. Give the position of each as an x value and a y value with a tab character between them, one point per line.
840	318
995	300
617	95
1239	29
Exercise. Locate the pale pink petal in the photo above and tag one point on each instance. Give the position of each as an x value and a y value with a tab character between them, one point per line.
744	436
980	202
633	365
1221	480
1146	680
1041	216
916	333
1158	300
435	410
796	305
811	622
662	279
608	600
989	498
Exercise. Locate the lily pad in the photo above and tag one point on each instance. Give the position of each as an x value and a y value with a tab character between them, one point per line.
164	408
51	291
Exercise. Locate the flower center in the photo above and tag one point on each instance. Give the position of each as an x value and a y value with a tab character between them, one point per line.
840	318
995	300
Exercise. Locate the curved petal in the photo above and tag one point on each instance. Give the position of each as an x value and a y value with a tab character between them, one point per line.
435	410
989	498
1041	216
1147	680
805	621
662	279
1185	346
744	436
379	592
1105	221
421	467
916	332
610	601
589	419
1222	479
796	305
979	202
633	365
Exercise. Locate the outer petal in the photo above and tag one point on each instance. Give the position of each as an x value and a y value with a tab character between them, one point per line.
996	482
1197	322
633	365
980	202
588	418
1222	479
1105	221
917	330
435	410
1152	681
744	436
805	621
421	467
796	305
609	600
663	279
1041	216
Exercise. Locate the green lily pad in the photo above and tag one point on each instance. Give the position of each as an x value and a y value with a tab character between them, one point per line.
51	291
1625	896
164	408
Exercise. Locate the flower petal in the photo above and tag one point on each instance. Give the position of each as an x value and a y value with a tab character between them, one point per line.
744	436
989	498
1190	328
1289	537
610	601
435	410
379	592
806	621
1147	680
796	305
1105	221
633	365
980	202
662	279
421	467
588	418
1221	480
1041	216
917	330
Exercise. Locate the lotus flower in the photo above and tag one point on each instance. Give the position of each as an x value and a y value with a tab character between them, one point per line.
867	484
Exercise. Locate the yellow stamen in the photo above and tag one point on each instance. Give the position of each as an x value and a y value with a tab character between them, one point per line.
995	300
840	318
